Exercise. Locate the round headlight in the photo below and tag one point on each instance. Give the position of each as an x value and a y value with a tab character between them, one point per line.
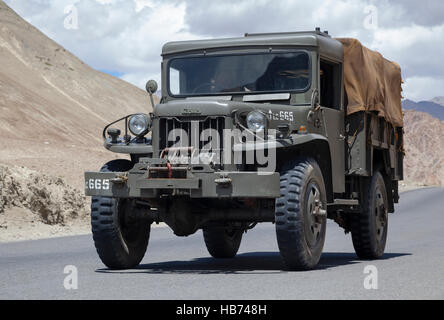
256	121
138	123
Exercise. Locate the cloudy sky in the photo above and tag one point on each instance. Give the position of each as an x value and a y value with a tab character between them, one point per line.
125	37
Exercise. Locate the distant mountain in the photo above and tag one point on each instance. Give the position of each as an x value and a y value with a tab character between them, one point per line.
438	100
432	108
424	149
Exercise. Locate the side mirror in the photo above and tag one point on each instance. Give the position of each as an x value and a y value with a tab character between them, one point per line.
151	86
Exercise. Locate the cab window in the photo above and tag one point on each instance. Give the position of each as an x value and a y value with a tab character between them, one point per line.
330	84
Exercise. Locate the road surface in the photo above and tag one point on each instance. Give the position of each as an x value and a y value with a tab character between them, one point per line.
181	268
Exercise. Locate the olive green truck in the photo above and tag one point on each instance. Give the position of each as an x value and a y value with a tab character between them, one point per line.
288	128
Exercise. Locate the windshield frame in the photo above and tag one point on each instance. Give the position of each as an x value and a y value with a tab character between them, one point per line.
242	53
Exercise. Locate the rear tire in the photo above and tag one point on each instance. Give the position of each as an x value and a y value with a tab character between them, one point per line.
222	242
369	227
301	214
120	243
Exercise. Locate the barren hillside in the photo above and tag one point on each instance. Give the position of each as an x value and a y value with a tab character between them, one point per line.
53	107
424	147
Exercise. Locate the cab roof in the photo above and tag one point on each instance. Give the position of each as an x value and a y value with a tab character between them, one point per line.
326	45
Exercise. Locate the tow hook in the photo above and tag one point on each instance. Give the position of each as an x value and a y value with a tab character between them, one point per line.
119	179
170	170
223	181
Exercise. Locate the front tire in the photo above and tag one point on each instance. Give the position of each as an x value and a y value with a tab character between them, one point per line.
120	242
301	214
369	227
222	242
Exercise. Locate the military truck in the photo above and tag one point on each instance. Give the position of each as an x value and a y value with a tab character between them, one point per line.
287	128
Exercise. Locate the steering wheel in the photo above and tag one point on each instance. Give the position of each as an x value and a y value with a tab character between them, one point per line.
202	85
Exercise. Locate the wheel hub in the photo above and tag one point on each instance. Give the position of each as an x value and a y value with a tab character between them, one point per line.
380	213
315	216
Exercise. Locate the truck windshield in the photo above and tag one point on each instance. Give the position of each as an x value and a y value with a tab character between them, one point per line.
269	72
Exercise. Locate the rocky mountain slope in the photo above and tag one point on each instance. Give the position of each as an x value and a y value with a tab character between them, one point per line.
53	108
424	147
424	142
31	200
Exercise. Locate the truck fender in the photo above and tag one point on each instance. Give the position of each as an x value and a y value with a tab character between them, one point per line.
312	145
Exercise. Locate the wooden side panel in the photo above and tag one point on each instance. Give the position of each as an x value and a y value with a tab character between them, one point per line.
367	133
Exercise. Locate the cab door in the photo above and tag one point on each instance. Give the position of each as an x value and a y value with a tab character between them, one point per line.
334	131
331	101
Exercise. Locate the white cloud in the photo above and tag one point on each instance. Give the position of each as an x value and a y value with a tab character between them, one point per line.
423	88
417	49
140	4
127	35
115	35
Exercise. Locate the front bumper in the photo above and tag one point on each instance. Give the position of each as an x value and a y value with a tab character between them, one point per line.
197	184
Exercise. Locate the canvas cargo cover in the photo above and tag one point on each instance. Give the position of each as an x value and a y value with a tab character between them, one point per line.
372	83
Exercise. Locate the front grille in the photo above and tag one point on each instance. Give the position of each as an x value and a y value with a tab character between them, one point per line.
188	132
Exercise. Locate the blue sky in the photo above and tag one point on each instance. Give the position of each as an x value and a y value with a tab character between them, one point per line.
125	37
114	73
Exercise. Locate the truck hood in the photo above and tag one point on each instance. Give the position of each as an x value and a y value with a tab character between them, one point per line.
203	107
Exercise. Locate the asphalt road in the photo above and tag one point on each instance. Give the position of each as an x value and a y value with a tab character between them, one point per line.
181	268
